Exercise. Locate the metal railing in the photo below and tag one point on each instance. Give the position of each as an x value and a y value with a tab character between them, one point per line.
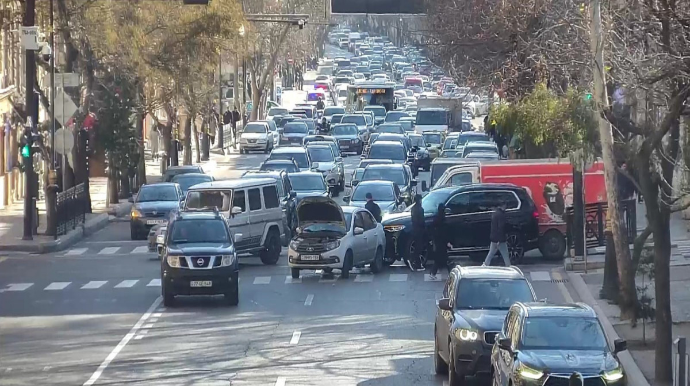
71	208
595	222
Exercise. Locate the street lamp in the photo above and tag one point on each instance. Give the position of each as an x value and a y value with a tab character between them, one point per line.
244	81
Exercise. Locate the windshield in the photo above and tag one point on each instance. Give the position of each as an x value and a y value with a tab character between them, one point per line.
320	154
472	138
563	333
277	111
345	130
492	294
406	125
432	117
300	158
296	128
380	192
390	129
187	182
342	79
328	111
342	94
307	111
255	128
282	166
395	116
157	193
434	139
450	143
336	118
307	183
358	120
417	141
390	152
198	231
325	70
378	111
396	176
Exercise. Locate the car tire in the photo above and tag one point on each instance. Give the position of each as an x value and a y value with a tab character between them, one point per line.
552	245
376	266
347	266
232	298
168	297
440	367
454	379
272	247
295	273
336	192
516	248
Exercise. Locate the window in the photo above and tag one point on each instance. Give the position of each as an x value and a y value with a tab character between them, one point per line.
369	222
461	179
492	294
270	198
198	231
254	199
359	222
459	204
239	200
280	191
495	199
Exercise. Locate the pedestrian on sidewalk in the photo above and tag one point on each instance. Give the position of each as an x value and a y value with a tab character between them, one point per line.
235	120
154	137
373	207
498	236
418	230
441	242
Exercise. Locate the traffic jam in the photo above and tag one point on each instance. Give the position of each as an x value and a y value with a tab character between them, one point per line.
431	190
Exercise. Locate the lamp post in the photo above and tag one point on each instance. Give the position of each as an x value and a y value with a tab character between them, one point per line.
244	80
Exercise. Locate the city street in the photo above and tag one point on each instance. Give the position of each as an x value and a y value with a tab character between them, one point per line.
92	315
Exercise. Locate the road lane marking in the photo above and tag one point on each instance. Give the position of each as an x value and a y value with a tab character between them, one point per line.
150	325
364	278
113	354
262	280
308	300
280	381
94	284
157	314
142	249
47	368
109	250
7	370
397	277
18	286
154	283
290	280
3	259
57	286
141	335
540	276
76	251
561	287
295	337
127	284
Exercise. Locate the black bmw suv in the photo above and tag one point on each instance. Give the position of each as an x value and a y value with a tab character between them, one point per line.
468	214
199	258
544	344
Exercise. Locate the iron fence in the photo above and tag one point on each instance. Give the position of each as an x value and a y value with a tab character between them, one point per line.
71	208
595	222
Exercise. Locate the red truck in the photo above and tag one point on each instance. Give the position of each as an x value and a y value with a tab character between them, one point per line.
549	183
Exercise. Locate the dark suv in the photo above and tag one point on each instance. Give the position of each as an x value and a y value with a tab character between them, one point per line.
468	214
470	314
543	345
288	198
199	258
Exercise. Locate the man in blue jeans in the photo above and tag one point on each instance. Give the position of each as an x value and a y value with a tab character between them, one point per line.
498	236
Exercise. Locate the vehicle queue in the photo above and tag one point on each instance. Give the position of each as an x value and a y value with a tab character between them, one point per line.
490	322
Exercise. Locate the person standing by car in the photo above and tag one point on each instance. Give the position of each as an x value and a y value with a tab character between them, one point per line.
373	207
441	242
498	236
235	120
320	105
418	230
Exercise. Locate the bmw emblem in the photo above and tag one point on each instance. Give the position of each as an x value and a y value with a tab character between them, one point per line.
200	262
155	212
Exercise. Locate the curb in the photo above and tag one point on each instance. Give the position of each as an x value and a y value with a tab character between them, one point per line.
633	374
570	264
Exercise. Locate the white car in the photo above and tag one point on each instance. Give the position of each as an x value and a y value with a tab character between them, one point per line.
256	136
276	112
359	78
333	237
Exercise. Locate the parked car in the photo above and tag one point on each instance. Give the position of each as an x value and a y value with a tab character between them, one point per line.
297	154
287	196
308	184
256	136
151	206
348	137
190	179
334	237
386	194
288	165
172	171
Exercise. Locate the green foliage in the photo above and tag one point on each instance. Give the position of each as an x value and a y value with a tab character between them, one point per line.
553	125
115	130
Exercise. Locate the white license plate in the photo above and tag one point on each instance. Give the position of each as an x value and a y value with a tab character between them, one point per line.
310	257
155	222
204	283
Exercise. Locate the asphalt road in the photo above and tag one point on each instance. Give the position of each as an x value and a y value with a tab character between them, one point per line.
93	315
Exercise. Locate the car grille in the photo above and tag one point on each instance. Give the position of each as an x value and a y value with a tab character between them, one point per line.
490	337
156	213
563	381
251	140
310	248
200	261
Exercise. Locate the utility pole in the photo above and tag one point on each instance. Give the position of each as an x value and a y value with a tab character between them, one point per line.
220	137
29	128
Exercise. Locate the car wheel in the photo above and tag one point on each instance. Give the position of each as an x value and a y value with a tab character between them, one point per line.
552	245
168	297
376	266
295	273
454	379
347	266
516	249
271	252
440	367
335	191
233	297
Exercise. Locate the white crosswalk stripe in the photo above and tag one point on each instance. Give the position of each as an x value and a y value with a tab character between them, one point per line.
57	286
18	286
398	277
76	251
154	283
290	280
127	284
109	250
540	276
364	278
95	284
262	280
140	250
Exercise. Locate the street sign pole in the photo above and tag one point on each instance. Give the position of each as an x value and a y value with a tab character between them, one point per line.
30	73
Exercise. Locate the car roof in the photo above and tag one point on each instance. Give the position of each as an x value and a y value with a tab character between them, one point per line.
196	215
260	173
575	310
473	134
184	167
387	143
449	161
237	183
307	173
280	161
289	150
386	166
433	109
161	184
481	272
312	145
190	175
375	182
397	136
322	143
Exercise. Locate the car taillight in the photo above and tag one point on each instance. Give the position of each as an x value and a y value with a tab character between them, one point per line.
535	214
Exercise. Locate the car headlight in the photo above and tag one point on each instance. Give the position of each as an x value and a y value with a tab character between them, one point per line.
160	239
614	375
466	335
261	140
530	373
227	260
332	245
135	213
356	140
393	228
174	261
294	244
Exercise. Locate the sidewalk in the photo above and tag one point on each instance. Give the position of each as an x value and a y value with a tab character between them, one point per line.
12	217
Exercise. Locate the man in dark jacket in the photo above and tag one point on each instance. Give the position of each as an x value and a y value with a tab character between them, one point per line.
498	236
419	232
373	207
235	121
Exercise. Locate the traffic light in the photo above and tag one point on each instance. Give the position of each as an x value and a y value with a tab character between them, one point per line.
588	96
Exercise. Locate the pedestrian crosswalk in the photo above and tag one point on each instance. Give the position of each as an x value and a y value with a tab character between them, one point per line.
308	277
101	251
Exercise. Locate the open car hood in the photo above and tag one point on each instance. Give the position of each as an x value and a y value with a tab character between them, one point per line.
320	210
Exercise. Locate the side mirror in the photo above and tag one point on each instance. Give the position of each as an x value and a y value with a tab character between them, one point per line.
238	237
338	159
424	186
413	183
505	344
359	231
131	199
355	182
315	165
444	304
346	199
619	345
293	194
235	210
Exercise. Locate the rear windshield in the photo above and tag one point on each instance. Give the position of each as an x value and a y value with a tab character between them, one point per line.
209	199
397	176
345	130
379	111
296	128
390	152
300	158
432	118
277	111
395	116
358	120
328	111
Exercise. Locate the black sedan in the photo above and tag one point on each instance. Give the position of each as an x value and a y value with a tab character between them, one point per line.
293	133
152	206
419	154
308	184
348	137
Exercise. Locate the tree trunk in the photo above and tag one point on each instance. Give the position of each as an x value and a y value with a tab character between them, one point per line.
141	167
166	133
197	143
112	182
187	160
256	102
236	85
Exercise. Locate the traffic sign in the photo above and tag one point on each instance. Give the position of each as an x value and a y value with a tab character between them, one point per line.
67	79
30	38
64	107
64	141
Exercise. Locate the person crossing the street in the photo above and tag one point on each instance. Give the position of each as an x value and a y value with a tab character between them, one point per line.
373	207
441	242
419	232
320	105
498	236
